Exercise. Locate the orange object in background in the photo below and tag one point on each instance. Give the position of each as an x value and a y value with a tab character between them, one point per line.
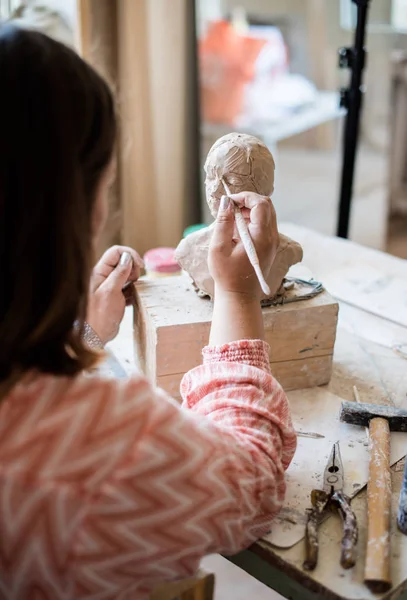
227	64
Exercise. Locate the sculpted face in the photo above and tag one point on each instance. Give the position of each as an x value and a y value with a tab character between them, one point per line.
246	165
244	162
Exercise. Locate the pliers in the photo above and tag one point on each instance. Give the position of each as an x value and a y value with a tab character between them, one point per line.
323	501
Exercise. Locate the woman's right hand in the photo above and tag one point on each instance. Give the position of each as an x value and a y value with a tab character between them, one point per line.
228	262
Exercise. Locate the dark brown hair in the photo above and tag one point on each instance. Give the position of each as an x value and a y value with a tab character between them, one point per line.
57	133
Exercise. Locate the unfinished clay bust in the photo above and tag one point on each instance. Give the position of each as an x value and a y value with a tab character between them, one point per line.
246	165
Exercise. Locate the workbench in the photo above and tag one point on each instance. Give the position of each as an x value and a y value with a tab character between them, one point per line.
364	357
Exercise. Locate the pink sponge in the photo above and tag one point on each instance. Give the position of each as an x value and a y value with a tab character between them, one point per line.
161	260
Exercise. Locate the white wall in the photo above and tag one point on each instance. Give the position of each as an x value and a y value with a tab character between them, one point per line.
206	11
66	7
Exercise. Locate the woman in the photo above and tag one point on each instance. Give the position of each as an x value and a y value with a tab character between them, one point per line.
109	487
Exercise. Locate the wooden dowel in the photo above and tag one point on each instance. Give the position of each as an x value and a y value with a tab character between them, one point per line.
377	568
357	399
356	394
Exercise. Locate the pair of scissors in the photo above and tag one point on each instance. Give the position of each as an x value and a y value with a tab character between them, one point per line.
331	497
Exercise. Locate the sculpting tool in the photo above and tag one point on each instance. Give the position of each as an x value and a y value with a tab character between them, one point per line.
247	242
310	434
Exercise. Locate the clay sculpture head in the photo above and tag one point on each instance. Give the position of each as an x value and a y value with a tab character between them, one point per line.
244	162
246	165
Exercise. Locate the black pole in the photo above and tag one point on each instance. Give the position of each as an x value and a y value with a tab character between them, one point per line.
351	98
193	213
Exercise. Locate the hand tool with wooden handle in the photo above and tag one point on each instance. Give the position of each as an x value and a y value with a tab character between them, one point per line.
248	242
380	420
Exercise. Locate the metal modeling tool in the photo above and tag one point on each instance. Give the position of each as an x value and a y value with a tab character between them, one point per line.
310	434
323	501
247	242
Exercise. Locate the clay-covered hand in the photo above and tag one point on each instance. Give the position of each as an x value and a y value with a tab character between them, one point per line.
118	266
227	260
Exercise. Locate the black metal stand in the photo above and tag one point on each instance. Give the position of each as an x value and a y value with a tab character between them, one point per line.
351	98
193	210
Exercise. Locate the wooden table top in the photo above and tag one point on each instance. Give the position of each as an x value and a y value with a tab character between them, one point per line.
363	357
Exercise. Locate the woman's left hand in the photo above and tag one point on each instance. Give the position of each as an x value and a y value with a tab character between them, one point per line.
119	265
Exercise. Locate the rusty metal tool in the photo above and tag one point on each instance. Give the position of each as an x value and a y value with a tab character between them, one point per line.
331	497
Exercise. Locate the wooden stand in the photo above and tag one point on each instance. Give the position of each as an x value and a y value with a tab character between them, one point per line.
173	326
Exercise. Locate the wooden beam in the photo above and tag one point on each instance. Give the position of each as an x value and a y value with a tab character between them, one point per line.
83	27
322	64
137	167
153	105
167	22
97	44
141	48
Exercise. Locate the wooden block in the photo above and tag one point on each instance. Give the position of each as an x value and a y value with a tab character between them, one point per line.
200	587
173	326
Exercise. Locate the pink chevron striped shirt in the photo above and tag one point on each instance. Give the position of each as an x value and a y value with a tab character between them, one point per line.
109	487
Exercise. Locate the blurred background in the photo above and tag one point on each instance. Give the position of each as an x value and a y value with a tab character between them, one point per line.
290	99
187	72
